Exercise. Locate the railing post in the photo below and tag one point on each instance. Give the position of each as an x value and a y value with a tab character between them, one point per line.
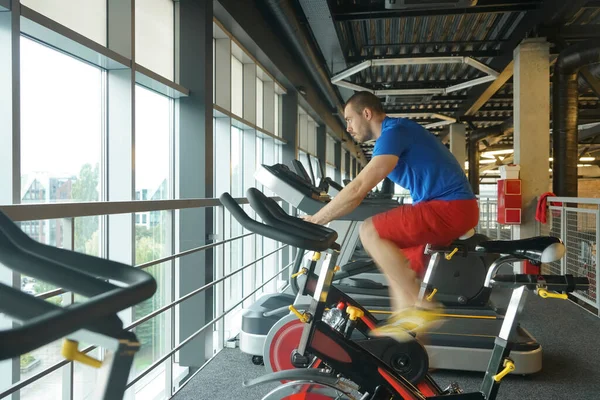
597	259
487	216
563	235
68	372
219	273
169	339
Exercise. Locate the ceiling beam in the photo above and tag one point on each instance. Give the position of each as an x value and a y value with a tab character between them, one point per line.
355	59
354	12
590	79
551	13
424	84
589	133
434	44
491	90
570	32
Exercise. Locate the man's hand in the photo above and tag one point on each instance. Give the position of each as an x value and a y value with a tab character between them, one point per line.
311	219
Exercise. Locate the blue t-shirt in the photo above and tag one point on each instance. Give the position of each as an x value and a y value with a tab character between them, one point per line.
425	166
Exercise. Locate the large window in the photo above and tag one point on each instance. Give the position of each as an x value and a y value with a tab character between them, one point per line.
237	190
62	114
153	115
61	126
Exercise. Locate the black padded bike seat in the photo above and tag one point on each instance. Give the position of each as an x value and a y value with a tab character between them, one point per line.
536	249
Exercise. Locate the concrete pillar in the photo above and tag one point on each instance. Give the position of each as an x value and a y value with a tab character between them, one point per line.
289	124
194	149
321	148
457	142
338	163
532	125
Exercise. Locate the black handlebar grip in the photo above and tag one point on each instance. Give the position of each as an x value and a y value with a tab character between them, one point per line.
271	232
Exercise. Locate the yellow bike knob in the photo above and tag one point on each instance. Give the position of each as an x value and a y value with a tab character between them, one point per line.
430	297
449	256
354	312
301	316
509	366
301	272
544	294
71	353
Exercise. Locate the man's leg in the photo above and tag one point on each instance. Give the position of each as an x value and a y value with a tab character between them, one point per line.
391	260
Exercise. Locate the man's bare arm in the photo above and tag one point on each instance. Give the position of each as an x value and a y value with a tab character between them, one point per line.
353	194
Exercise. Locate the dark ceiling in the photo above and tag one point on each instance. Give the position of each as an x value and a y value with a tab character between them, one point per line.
488	32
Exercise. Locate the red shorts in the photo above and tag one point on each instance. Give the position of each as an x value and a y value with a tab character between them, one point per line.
435	222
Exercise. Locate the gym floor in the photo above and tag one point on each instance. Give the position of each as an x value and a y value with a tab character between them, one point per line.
571	362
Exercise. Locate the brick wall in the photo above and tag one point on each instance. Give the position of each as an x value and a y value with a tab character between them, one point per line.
587	188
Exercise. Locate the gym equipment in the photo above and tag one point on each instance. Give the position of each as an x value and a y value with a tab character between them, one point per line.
94	321
463	343
331	364
466	299
451	287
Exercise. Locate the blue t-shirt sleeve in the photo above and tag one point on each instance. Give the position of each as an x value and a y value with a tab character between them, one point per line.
391	141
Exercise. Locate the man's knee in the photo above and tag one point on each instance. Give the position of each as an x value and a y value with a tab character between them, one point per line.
367	231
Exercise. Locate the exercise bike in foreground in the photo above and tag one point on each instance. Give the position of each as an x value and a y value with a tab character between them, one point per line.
331	363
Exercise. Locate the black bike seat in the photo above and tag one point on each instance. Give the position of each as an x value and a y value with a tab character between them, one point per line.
537	249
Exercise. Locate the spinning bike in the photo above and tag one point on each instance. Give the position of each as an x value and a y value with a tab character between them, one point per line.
94	321
332	364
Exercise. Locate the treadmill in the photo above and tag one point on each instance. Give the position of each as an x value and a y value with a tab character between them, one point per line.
465	341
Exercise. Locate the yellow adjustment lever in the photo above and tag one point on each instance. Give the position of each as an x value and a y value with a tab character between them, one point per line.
336	268
71	353
544	294
355	313
509	366
303	317
316	256
301	272
430	297
449	256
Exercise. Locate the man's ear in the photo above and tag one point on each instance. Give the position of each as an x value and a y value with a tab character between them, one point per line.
367	113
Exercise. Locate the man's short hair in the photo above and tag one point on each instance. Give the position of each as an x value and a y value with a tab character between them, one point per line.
364	99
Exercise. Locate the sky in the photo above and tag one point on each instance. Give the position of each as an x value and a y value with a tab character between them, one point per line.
61	118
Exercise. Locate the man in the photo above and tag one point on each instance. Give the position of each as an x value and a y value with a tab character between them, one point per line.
444	206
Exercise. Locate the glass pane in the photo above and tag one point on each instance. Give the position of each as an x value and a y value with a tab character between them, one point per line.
50	387
61	126
330	171
86	378
259	267
154	36
237	86
87	18
234	288
153	231
276	112
259	102
152	144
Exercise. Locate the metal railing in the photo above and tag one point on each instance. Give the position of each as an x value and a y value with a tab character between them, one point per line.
488	217
69	211
576	221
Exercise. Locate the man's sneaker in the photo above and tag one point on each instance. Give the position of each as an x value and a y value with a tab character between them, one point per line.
408	322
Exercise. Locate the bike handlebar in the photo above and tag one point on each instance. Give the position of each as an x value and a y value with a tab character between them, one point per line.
76	272
287	230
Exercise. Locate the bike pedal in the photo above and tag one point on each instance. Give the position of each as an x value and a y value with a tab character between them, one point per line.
453	389
300	361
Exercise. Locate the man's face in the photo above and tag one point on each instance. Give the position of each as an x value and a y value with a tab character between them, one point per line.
358	124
